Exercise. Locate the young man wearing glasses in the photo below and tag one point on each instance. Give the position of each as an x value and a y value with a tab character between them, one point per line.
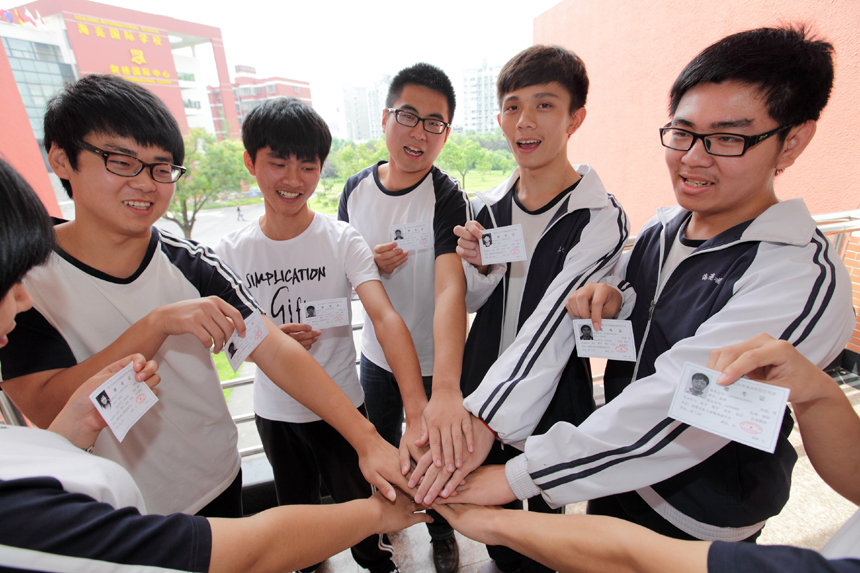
115	285
426	285
728	262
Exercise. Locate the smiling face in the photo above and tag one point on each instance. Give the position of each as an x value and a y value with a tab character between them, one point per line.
725	191
286	183
126	206
412	150
537	123
16	300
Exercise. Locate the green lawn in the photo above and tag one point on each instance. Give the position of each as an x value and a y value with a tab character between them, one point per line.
225	371
325	201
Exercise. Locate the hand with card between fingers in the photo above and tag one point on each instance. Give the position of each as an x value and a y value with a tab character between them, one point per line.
433	481
468	245
388	257
304	334
765	359
79	421
595	301
211	319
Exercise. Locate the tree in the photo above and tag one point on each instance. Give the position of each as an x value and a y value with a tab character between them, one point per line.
213	167
461	154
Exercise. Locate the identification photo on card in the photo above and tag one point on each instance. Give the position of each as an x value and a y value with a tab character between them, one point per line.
746	412
413	236
237	348
122	401
614	340
502	245
327	313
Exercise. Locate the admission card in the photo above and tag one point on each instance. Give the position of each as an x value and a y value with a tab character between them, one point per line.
327	313
502	245
122	400
413	236
238	348
614	340
747	412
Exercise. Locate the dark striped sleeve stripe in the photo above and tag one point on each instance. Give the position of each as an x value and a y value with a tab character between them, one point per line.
822	260
220	267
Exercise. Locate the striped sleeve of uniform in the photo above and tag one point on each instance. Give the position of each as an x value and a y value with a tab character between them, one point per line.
520	385
798	292
210	275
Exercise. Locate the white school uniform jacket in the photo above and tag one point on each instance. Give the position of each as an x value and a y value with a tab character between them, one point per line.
581	243
775	274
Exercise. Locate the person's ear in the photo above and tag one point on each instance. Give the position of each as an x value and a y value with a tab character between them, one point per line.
795	142
576	119
58	159
249	164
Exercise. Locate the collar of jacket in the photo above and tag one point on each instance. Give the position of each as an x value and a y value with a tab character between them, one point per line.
787	222
589	193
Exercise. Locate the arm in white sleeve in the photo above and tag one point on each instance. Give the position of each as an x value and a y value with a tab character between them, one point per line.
519	386
479	287
631	442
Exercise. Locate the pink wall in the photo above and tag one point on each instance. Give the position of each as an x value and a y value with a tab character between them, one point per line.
18	146
634	51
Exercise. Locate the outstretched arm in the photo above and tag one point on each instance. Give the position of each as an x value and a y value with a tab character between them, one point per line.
448	424
291	537
297	373
40	396
579	543
400	354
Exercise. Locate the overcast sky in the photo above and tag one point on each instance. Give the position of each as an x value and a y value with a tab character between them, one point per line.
331	43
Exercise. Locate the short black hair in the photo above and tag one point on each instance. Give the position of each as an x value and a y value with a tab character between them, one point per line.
424	75
109	105
26	232
541	65
791	69
288	127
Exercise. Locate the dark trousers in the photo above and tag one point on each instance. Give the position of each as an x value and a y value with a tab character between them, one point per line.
228	503
385	411
631	507
506	558
303	456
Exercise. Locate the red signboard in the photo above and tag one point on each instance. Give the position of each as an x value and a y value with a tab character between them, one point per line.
137	53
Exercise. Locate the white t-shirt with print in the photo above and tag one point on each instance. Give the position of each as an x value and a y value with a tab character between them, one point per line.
326	261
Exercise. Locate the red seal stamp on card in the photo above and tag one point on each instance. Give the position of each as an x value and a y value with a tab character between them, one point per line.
751	427
141	398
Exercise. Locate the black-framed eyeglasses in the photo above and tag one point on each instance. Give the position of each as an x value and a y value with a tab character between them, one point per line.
128	166
721	144
409	119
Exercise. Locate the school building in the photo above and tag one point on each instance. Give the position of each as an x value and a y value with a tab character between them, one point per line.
49	42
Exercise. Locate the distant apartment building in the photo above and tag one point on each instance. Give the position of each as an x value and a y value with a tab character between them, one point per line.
479	102
362	109
249	91
49	42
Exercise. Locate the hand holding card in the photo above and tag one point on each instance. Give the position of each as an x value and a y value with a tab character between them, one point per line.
238	348
746	412
503	245
413	236
122	401
328	313
614	340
